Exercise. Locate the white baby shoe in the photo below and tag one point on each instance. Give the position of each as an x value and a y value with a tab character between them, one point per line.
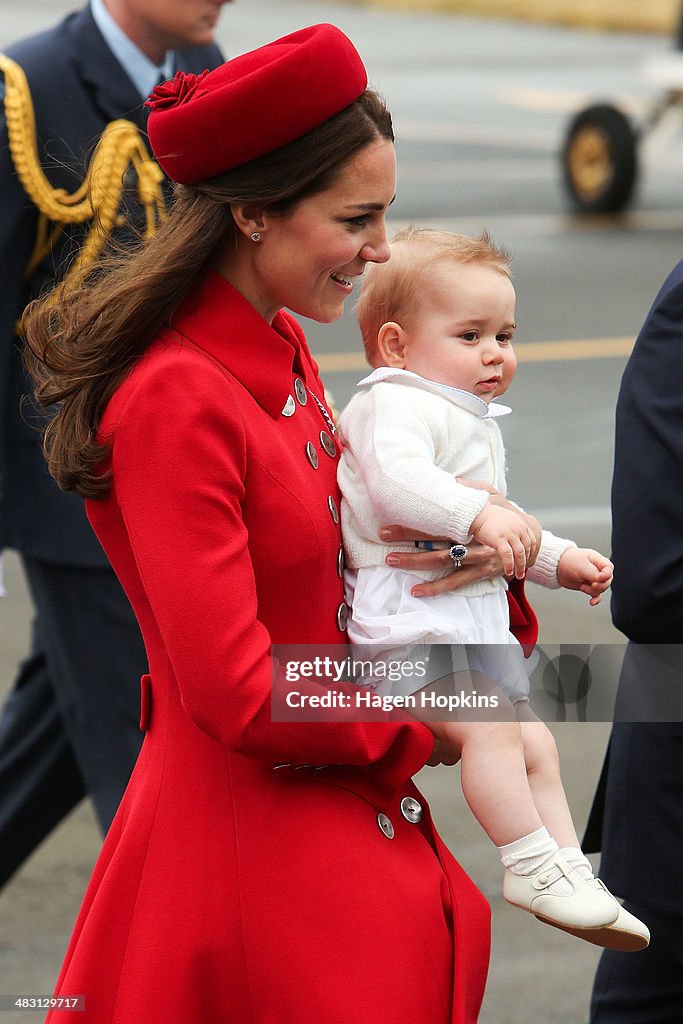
627	934
588	911
558	895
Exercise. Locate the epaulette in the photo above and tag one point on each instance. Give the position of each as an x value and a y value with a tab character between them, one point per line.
98	198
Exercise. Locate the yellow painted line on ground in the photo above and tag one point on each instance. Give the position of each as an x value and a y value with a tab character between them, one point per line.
582	348
526	351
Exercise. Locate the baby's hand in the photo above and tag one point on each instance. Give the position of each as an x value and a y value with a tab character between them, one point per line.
585	570
499	499
506	532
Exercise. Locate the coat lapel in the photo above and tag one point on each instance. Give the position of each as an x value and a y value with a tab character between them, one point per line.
112	91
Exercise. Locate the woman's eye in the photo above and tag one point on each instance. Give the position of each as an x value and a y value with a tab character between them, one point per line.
358	222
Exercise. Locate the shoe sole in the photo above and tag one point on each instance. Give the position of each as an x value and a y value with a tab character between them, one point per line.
607	937
579	928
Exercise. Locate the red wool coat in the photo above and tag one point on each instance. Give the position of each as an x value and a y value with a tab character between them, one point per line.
229	891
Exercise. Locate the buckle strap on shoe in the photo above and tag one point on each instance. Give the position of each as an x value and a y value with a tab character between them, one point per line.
556	871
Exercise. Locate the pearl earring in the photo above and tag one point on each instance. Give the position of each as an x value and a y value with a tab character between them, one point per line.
256	236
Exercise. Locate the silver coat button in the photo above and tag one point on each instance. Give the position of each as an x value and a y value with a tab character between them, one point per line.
311	454
411	809
289	407
328	444
300	391
385	825
342	616
340	562
334	512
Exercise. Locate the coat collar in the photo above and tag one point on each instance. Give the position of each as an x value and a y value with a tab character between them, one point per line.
217	319
113	91
142	71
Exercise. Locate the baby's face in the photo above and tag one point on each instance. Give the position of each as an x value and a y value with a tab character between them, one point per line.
462	334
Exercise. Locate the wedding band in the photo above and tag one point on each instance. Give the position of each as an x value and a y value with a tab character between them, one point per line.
458	553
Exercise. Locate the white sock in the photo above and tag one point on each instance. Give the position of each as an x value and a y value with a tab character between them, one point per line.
528	856
577	859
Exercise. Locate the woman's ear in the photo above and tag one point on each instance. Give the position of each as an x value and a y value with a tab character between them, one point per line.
248	218
392	344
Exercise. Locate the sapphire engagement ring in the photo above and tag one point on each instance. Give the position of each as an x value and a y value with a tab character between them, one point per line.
458	553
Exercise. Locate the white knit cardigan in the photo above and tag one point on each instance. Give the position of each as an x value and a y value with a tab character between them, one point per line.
405	440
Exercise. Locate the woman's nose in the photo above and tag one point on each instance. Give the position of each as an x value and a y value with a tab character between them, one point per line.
377	249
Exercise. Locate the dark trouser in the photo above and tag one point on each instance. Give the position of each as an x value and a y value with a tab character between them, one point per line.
645	987
70	724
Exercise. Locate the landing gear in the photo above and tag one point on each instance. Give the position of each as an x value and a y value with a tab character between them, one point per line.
599	160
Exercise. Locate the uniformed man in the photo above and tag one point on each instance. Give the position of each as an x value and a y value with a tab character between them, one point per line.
637	816
69	725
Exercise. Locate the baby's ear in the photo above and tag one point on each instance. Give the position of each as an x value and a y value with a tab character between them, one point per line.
391	343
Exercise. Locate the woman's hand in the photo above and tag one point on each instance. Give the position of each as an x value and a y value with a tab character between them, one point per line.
443	753
482	563
585	570
447	746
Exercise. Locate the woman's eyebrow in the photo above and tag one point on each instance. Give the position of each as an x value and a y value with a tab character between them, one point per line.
366	206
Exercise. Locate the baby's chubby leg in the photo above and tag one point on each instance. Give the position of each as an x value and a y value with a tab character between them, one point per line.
626	933
545	781
496	786
494	778
493	767
543	768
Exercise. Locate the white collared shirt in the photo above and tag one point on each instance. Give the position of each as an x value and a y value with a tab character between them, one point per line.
143	73
464	399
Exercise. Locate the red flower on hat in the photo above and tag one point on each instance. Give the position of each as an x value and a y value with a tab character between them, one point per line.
174	92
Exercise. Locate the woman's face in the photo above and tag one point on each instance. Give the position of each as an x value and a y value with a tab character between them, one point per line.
307	259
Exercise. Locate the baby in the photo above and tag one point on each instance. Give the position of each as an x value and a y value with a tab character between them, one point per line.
438	321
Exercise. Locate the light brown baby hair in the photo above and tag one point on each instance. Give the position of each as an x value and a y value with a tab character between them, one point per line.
392	291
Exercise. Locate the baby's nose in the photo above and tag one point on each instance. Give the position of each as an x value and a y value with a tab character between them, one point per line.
492	353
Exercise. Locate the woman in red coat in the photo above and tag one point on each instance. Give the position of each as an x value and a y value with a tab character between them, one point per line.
257	872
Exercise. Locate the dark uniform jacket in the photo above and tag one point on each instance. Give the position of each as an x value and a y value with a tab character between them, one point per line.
77	87
641	824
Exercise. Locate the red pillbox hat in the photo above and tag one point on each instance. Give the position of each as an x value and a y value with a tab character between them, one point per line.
203	125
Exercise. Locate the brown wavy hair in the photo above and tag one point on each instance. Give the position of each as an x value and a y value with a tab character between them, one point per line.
83	339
